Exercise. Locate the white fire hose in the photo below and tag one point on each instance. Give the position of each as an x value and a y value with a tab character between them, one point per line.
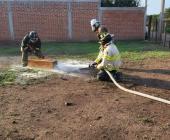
136	92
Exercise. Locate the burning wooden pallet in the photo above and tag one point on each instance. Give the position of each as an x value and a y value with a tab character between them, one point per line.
42	63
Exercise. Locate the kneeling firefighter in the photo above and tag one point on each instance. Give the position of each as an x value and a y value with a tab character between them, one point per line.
31	43
109	57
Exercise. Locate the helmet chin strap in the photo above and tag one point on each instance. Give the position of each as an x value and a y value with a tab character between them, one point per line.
94	28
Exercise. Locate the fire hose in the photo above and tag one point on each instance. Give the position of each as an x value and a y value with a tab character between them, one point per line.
136	92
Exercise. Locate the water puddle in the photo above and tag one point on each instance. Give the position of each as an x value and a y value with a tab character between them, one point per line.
72	67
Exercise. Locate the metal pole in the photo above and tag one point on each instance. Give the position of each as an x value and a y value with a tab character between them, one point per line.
161	17
70	26
10	20
145	18
99	12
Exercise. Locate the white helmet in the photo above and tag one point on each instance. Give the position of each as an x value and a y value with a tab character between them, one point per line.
95	24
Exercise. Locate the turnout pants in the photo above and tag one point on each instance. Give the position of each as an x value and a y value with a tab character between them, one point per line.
103	76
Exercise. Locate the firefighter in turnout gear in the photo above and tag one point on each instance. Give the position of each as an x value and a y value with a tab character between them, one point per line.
31	43
109	57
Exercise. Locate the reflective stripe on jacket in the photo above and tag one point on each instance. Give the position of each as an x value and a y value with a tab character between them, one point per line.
110	58
100	55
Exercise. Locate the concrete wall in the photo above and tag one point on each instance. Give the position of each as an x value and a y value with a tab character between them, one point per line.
67	20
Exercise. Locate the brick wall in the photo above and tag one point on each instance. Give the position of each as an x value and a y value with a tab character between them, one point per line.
125	24
4	32
49	19
81	16
68	21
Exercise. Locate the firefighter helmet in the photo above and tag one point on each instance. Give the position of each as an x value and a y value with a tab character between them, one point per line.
33	36
95	24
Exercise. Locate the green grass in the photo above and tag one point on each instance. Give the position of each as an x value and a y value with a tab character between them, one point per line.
9	51
71	50
140	50
133	50
7	77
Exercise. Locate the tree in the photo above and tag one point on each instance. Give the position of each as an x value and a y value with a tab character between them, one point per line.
167	13
120	3
167	16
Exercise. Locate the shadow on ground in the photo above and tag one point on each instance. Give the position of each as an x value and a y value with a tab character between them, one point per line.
148	82
158	71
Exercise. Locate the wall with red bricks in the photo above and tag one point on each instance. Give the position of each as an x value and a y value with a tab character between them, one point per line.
81	16
69	21
49	19
125	24
4	32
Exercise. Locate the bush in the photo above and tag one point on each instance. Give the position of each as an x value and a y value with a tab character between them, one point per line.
168	29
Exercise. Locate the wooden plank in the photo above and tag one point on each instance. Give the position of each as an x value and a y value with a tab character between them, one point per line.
42	63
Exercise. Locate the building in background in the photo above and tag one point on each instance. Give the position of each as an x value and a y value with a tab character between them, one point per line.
68	20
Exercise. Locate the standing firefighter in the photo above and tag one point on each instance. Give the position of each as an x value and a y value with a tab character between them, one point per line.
31	43
109	57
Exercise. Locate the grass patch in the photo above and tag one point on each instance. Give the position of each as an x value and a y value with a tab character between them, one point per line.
24	76
7	77
9	51
133	50
70	48
139	50
146	120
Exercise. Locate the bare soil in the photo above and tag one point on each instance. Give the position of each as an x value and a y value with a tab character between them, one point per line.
72	108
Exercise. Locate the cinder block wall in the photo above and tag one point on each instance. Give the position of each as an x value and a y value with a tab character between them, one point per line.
67	21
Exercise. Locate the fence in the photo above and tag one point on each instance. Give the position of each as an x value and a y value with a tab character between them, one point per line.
67	20
153	23
152	28
166	33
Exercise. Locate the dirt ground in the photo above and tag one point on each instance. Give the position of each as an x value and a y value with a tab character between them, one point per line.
72	108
